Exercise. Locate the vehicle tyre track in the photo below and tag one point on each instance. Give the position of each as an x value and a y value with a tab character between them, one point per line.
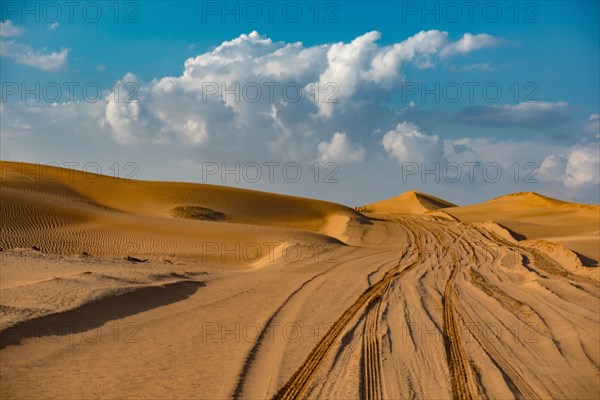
371	360
298	382
463	384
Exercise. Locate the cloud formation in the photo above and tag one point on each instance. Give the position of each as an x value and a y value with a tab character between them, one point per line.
24	54
578	167
469	43
285	91
536	115
8	29
340	149
407	144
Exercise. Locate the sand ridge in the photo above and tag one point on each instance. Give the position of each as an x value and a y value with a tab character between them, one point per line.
70	212
410	202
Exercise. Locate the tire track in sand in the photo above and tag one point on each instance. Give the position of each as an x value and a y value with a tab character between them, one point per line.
372	378
371	365
463	383
298	382
515	378
462	380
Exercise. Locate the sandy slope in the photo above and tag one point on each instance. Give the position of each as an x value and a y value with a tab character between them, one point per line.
68	212
534	216
408	304
408	203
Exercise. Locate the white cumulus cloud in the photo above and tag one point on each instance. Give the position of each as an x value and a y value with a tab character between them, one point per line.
577	167
340	149
285	92
8	29
360	63
25	55
407	144
583	166
469	43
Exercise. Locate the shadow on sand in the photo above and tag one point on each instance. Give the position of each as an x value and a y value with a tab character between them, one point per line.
93	315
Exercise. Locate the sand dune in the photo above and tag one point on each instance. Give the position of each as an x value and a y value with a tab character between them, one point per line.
527	215
231	293
576	226
159	199
408	203
69	212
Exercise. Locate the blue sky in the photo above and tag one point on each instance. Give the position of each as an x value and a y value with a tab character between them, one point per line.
542	55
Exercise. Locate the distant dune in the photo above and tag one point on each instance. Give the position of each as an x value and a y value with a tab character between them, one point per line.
528	214
409	203
576	226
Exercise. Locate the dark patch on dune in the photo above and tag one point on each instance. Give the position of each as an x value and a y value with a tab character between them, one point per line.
135	260
197	212
516	235
586	261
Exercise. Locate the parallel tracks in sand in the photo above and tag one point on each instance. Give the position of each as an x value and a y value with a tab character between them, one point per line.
372	379
515	378
371	365
463	382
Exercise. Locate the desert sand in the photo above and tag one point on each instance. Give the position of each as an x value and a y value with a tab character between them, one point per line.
120	289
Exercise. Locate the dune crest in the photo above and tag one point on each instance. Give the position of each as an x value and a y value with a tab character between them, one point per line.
530	200
410	202
535	216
